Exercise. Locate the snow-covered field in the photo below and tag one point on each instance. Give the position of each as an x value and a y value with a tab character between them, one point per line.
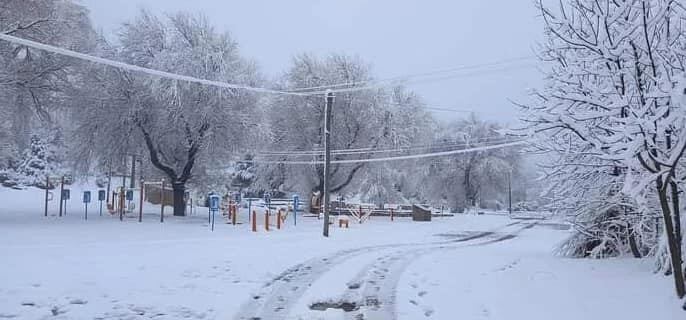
463	267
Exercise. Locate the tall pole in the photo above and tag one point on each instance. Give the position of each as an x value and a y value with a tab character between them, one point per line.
61	194
122	195
327	157
509	191
140	204
132	183
109	182
47	191
162	202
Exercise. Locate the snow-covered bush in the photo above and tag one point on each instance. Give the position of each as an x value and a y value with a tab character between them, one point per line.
39	161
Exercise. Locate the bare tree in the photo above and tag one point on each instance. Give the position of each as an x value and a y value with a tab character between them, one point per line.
178	123
33	83
461	179
361	119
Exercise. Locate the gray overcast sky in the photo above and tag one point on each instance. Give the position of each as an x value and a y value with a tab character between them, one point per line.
397	37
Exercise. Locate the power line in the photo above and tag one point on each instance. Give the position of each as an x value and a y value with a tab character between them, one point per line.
374	150
130	67
472	73
417	75
442	108
373	86
396	158
174	76
158	73
441	142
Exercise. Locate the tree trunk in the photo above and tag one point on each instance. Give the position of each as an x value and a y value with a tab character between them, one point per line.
467	190
676	213
672	241
179	190
632	243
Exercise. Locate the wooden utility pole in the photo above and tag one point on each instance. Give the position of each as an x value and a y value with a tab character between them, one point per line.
61	194
122	195
47	191
140	204
109	183
328	109
132	183
509	191
162	202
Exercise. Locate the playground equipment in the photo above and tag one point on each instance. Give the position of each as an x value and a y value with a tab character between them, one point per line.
120	197
360	212
123	199
119	200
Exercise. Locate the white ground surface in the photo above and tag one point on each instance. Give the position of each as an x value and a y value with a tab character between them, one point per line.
466	267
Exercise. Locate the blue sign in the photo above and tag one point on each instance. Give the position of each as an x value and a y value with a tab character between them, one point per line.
214	202
86	197
129	195
237	197
101	195
296	201
65	194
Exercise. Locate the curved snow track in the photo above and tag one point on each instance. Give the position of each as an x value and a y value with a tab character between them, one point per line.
371	293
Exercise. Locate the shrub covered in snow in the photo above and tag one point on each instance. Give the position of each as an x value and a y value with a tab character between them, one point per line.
37	162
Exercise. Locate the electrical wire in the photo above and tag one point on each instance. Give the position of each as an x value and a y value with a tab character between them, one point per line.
126	66
375	151
374	86
440	143
174	76
417	75
395	158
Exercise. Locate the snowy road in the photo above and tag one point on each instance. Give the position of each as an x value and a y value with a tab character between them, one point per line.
370	294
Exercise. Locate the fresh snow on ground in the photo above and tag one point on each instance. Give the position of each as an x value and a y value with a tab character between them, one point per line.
520	279
462	267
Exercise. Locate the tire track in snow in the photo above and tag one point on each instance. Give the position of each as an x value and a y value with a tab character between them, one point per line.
374	288
277	297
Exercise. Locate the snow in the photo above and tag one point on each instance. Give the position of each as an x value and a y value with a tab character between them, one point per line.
68	268
521	280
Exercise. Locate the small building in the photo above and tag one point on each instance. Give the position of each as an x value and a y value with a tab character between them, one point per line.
420	213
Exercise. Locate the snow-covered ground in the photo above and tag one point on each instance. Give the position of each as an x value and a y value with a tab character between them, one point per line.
463	267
